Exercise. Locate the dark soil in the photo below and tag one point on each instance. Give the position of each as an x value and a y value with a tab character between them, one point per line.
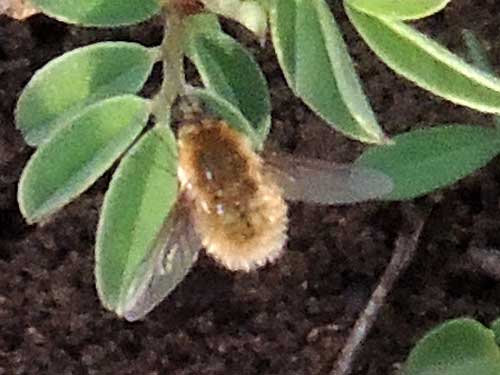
291	317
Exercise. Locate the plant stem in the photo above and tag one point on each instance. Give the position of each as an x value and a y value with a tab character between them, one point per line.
405	248
172	54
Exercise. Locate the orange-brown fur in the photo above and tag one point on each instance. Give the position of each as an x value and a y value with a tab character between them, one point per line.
189	7
239	211
185	7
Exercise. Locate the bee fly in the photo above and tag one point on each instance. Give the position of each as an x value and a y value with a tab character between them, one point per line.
232	203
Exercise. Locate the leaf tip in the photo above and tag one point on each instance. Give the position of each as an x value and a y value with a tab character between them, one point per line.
387	141
378	138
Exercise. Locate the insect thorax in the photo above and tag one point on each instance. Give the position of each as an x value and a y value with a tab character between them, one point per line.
219	164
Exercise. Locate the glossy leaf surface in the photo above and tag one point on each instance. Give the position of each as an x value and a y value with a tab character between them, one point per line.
79	154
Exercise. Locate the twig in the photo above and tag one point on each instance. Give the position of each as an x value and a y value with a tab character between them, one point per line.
405	248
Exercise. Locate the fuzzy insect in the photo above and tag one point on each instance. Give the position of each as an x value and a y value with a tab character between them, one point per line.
232	203
238	209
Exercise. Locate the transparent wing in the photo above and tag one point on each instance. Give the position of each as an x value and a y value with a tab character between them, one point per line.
324	182
175	250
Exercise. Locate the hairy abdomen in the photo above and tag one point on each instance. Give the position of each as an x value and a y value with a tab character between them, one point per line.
239	211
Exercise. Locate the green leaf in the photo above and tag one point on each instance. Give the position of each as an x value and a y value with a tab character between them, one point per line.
251	14
478	57
220	107
318	68
457	347
476	53
79	154
66	85
427	63
99	12
427	159
201	24
140	197
399	9
495	327
229	70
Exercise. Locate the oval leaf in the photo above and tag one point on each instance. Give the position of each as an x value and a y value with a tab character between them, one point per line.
140	197
230	71
457	347
220	107
317	66
69	83
423	160
427	159
79	154
427	63
399	9
99	12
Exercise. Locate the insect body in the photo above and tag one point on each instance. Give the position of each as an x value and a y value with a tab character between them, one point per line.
232	203
239	211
